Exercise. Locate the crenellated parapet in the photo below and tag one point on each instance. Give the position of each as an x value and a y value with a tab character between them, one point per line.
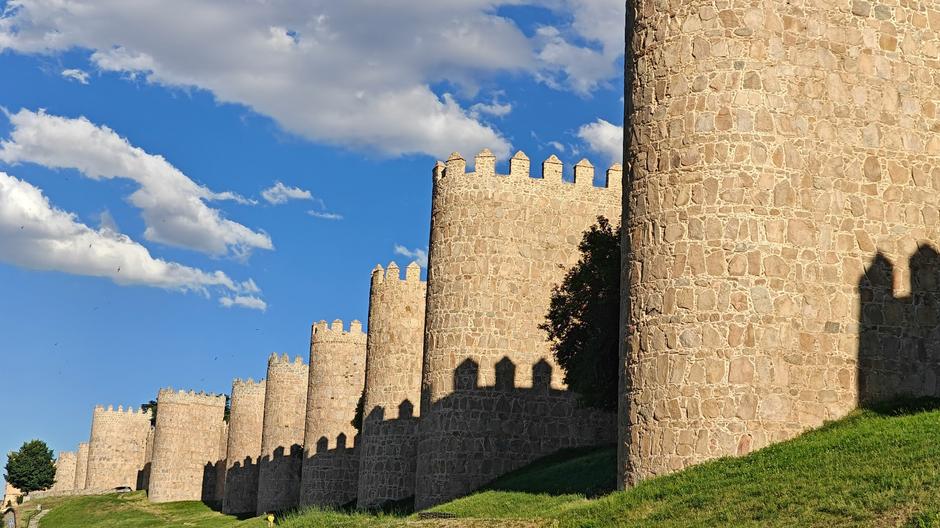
392	385
499	244
337	374
552	172
190	397
186	441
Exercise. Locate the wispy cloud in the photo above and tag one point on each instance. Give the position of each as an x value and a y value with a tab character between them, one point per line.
325	215
173	206
418	255
279	194
245	301
76	75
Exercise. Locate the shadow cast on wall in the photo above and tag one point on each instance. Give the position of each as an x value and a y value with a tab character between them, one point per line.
241	487
279	478
331	474
899	336
478	433
143	477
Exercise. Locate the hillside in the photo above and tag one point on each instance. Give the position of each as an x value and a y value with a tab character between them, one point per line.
875	468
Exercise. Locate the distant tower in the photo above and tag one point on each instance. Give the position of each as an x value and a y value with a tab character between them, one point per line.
117	447
776	150
392	386
81	466
185	443
282	437
498	246
65	472
337	375
246	419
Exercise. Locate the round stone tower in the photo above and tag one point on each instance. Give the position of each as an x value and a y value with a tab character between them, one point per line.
499	244
337	375
65	472
392	386
81	466
777	151
185	445
117	447
245	422
282	436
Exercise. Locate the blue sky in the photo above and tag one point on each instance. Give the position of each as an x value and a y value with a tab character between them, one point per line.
138	247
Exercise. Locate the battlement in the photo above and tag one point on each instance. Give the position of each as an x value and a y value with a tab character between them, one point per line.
274	359
322	331
169	395
248	385
392	274
519	168
130	410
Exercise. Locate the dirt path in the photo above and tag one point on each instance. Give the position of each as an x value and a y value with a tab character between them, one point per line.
34	522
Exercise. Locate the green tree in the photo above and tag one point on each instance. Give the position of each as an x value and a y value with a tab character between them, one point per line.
31	468
152	407
584	317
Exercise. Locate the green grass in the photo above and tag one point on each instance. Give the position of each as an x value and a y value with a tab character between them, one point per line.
874	468
132	510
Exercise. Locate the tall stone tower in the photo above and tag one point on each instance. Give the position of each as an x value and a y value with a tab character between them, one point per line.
337	375
498	246
185	442
778	151
282	439
392	386
65	471
117	447
246	419
81	466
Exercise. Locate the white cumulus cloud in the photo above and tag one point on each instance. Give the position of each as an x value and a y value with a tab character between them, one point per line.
172	205
418	255
279	194
36	235
353	73
604	138
76	75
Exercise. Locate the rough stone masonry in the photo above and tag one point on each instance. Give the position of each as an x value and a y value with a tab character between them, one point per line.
781	205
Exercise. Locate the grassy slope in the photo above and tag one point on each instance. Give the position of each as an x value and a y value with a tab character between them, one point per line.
874	468
871	469
132	510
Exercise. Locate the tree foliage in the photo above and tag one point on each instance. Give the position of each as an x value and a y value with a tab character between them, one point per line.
584	317
31	468
152	407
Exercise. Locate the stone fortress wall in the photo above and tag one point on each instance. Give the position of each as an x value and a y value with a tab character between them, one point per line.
81	466
282	439
65	471
498	246
783	195
392	393
337	375
246	420
185	444
117	447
